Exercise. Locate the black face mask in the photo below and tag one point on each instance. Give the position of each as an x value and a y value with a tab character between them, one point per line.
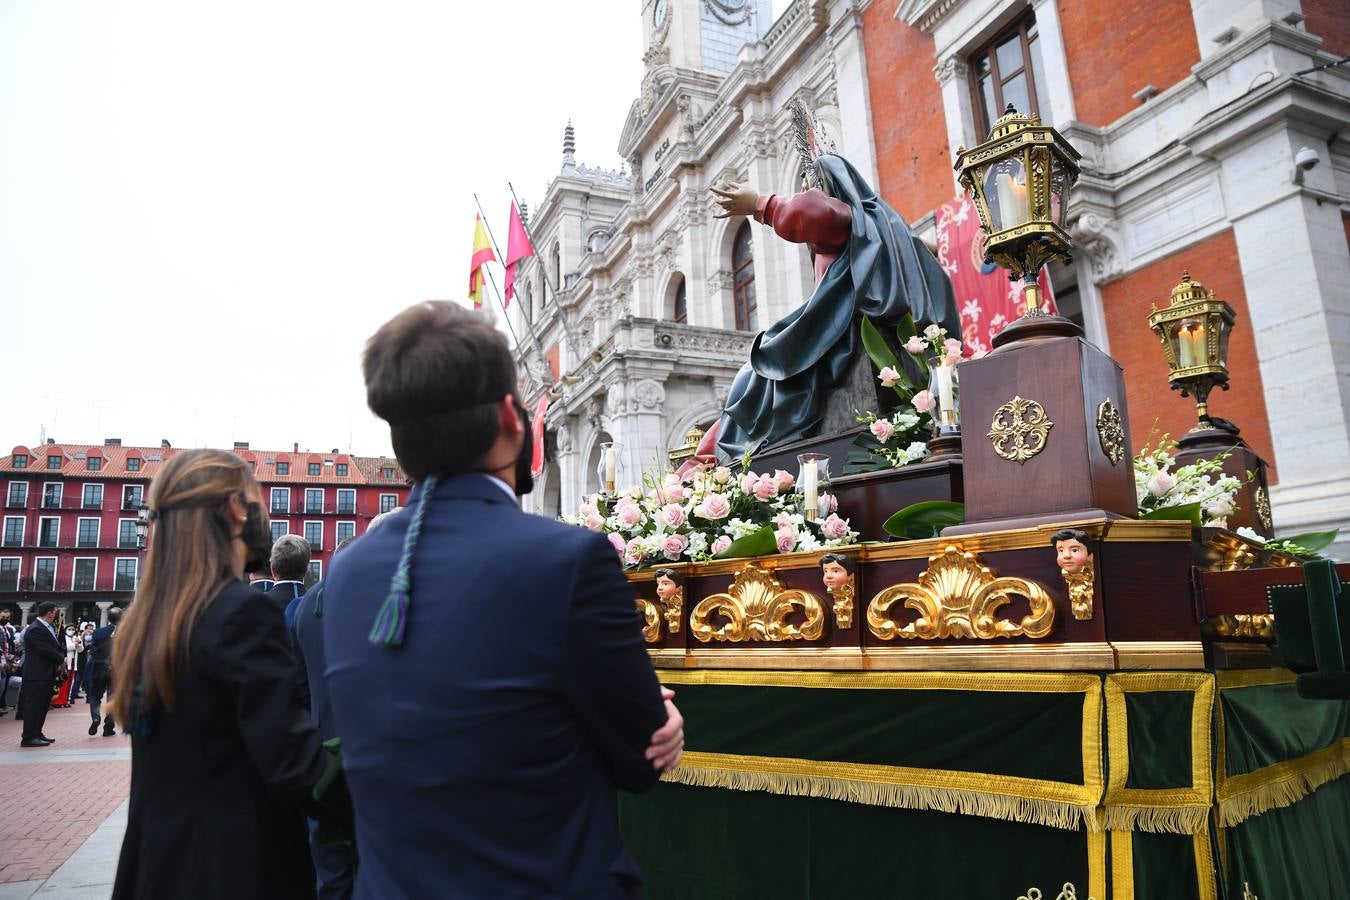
524	478
257	537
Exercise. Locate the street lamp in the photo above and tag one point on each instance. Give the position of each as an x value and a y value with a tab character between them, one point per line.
1020	180
1194	330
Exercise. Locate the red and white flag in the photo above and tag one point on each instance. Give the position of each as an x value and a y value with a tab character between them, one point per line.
987	299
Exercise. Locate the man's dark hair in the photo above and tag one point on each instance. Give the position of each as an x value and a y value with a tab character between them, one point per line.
290	557
1070	534
114	614
45	607
850	565
436	373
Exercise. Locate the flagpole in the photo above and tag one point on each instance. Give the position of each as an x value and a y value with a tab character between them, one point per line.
511	328
543	269
539	347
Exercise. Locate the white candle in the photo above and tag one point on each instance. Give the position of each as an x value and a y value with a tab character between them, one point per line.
811	488
611	467
1192	346
946	400
1012	201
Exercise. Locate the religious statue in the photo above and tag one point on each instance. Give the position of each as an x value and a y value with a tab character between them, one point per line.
867	263
1073	554
670	591
837	573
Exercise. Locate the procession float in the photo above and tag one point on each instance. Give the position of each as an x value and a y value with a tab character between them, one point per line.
978	644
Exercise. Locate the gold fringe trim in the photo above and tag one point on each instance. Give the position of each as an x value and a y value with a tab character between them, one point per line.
903	796
1175	820
1002	682
1281	784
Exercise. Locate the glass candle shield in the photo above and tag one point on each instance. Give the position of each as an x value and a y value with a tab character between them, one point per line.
945	389
813	476
610	467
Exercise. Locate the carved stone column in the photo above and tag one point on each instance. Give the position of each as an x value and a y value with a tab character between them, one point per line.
103	607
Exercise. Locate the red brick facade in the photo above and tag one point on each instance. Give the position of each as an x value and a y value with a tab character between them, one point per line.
1330	19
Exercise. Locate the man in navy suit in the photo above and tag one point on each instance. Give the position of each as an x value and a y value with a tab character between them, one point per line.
486	667
43	654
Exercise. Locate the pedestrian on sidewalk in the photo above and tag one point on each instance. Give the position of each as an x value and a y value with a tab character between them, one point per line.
98	678
42	658
224	756
9	658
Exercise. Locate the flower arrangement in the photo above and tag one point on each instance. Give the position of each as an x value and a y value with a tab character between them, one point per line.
1167	491
901	438
1300	546
712	512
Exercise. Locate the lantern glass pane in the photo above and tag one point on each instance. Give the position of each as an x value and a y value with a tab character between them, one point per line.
1224	332
1059	191
1005	187
1015	92
1188	339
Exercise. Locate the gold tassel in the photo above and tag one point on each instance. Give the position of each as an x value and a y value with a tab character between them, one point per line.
1160	820
1281	784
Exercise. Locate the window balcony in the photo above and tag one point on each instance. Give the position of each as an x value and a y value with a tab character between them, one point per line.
131	502
16	502
92	504
13	542
312	510
87	543
124	583
51	502
83	584
127	544
346	509
44	582
49	543
279	510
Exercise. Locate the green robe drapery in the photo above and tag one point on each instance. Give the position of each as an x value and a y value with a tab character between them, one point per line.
883	273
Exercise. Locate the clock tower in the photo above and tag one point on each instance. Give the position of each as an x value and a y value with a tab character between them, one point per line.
704	35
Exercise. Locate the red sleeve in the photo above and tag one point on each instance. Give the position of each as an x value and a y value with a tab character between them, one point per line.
811	217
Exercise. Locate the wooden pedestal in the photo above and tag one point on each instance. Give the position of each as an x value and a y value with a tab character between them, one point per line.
1072	469
868	500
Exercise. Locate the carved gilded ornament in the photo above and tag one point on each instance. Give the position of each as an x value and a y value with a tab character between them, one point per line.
1263	508
843	603
651	620
1259	626
758	608
674	611
958	596
1229	553
1080	584
1110	431
1020	429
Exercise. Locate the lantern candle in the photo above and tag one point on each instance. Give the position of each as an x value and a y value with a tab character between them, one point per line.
1191	345
1012	201
811	489
611	467
946	399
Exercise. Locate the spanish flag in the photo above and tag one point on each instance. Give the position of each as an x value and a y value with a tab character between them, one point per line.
482	255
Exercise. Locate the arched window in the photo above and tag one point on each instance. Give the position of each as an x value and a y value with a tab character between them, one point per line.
743	281
557	268
679	310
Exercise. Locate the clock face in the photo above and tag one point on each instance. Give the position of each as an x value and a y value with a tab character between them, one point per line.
659	13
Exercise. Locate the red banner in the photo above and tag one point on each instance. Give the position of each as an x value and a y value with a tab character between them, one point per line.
537	423
987	300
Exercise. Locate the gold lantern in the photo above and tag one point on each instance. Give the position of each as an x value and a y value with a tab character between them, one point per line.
1020	181
1194	330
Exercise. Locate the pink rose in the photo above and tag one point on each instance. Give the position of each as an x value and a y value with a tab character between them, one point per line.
616	540
595	521
748	482
882	430
787	539
721	475
951	347
889	377
674	545
915	344
834	528
672	516
634	552
765	488
714	507
784	481
782	521
627	512
923	402
827	503
720	544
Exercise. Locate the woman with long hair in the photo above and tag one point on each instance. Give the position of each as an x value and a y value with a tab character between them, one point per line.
223	753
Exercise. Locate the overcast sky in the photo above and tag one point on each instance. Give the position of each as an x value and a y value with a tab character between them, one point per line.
206	208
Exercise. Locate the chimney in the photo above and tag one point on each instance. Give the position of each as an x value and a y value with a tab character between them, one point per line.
335	450
295	448
164	443
241	445
51	441
112	442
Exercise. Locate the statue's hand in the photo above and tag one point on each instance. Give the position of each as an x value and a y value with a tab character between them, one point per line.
735	200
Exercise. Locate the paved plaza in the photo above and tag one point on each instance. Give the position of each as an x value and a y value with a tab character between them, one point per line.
62	809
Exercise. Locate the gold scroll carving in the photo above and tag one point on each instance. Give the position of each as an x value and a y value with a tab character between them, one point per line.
1080	590
1229	553
674	611
1020	429
651	620
843	603
1260	627
758	608
958	596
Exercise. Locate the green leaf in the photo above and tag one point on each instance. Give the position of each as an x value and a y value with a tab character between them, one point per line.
1316	541
756	543
1188	512
876	347
925	519
906	329
859	461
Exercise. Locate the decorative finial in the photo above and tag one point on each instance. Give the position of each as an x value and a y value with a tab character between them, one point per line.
1185	274
525	212
569	145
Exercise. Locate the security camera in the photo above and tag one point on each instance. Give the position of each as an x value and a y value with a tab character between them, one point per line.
1306	158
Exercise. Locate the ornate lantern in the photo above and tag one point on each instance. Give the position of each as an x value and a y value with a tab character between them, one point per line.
1020	181
1194	330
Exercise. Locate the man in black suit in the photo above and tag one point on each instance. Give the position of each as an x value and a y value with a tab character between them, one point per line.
98	672
290	564
486	667
42	655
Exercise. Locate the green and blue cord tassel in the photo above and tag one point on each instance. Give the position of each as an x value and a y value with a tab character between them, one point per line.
392	620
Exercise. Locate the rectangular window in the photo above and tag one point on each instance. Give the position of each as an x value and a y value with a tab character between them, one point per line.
132	495
341	470
53	461
281	500
85	570
316	468
387	472
345	530
44	574
1008	70
20	460
9	573
314	535
314	574
87	536
313	500
126	534
18	495
93	496
51	496
280	528
133	463
388	502
283	468
126	575
13	531
346	502
49	532
93	463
